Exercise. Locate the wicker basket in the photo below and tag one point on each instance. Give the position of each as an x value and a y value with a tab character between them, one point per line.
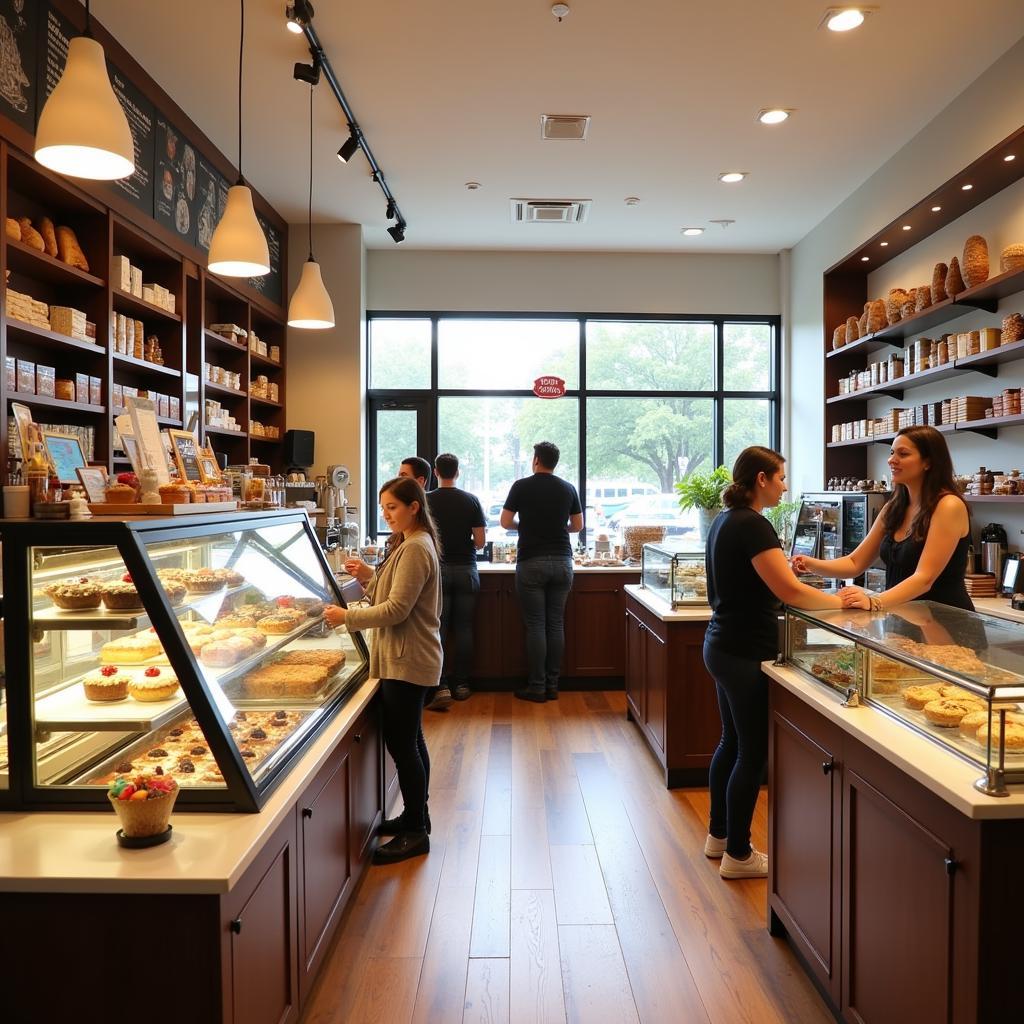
635	537
145	817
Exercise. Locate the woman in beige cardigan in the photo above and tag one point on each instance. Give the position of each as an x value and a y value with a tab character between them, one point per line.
405	653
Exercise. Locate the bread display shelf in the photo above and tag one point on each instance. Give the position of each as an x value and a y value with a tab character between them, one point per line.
107	508
145	364
220	389
265	360
133	302
46	402
52	339
23	259
68	710
219	339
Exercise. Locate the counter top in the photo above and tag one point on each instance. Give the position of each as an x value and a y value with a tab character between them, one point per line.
506	567
936	769
657	606
75	851
997	606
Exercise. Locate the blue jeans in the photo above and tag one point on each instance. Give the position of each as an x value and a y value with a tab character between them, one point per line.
543	585
459	586
739	761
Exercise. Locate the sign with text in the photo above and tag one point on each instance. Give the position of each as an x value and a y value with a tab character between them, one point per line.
549	387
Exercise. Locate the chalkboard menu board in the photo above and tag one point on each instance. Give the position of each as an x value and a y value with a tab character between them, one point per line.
270	284
212	198
55	32
175	203
137	188
18	48
185	454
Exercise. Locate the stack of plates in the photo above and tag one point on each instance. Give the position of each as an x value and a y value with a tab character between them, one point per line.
980	584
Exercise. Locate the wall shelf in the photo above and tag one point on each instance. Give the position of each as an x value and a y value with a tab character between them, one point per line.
23	259
220	389
264	361
136	305
145	366
52	340
45	402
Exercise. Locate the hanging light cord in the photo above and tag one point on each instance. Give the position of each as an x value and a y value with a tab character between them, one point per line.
88	21
311	174
241	50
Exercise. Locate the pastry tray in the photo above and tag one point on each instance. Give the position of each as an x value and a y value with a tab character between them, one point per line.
68	710
106	508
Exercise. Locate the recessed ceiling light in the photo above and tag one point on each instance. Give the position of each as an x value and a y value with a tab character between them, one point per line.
773	115
632	200
729	177
693	231
935	209
906	227
1009	157
966	188
842	19
472	185
864	259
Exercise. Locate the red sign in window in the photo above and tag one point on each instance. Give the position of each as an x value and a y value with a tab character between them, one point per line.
549	387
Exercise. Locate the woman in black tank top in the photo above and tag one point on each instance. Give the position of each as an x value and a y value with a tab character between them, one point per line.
922	534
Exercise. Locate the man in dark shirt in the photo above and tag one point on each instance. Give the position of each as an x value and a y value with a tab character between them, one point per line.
549	510
460	524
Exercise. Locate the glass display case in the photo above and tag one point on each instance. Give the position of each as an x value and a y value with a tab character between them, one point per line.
192	647
675	572
954	676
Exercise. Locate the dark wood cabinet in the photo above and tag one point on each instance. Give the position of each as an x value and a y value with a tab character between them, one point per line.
900	906
366	780
669	693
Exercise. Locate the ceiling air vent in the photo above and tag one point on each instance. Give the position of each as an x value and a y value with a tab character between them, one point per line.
549	211
572	127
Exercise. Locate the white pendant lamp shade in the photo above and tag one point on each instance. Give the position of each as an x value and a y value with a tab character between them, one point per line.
83	131
311	306
239	247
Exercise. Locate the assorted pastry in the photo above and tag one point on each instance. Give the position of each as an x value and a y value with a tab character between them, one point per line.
111	683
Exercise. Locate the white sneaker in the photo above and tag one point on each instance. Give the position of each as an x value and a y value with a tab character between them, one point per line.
713	847
755	866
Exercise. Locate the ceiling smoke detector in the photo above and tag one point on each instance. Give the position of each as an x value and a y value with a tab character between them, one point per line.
560	11
564	127
549	211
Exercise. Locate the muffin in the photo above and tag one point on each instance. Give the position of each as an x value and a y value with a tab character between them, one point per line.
154	684
120	494
121	595
106	684
79	595
174	494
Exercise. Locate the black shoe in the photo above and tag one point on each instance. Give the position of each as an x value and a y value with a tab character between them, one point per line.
537	698
551	695
396	825
402	847
441	700
461	691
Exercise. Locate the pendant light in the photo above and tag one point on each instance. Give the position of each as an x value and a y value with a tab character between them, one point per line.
239	247
83	131
311	307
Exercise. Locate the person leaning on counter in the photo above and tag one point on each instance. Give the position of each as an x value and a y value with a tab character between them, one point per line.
922	533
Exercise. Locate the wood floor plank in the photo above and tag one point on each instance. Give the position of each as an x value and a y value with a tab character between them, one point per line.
531	860
492	905
567	817
663	988
442	980
497	815
580	896
527	774
594	977
535	964
385	992
462	849
487	993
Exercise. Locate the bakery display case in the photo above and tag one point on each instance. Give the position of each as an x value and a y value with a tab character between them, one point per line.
195	649
675	572
954	676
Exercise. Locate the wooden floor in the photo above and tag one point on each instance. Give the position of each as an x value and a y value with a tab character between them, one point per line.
564	883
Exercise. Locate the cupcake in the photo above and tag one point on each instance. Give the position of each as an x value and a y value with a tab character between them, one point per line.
120	494
80	594
143	803
121	595
175	494
154	684
106	684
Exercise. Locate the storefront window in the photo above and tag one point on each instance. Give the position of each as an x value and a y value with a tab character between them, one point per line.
399	353
747	357
745	422
650	356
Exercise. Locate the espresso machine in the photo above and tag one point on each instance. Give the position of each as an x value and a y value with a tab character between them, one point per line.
330	496
832	524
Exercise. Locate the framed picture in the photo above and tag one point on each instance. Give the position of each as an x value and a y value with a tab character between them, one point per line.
94	480
23	421
186	455
208	467
65	454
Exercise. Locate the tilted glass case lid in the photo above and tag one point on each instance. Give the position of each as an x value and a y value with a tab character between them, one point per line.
983	653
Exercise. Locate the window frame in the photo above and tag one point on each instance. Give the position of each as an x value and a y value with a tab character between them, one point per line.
429	425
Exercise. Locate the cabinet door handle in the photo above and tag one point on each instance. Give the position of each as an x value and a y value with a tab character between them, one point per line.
307	812
358	738
236	926
951	866
827	766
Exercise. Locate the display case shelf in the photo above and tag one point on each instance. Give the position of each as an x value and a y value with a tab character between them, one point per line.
68	710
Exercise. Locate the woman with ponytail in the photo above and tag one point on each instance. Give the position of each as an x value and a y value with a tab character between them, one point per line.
748	581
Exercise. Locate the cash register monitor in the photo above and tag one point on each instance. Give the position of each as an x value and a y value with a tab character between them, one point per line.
1011	578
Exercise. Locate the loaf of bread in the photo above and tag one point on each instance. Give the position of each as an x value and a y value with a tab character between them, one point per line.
852	331
908	308
49	236
876	315
862	322
1013	328
922	298
975	265
1011	258
939	282
839	337
69	251
13	229
954	280
30	236
894	304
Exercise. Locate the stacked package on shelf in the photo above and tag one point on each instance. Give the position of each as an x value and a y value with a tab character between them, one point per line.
967	408
980	584
69	321
28	310
232	332
158	295
1006	404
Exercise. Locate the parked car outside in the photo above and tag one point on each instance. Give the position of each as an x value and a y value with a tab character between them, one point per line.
656	510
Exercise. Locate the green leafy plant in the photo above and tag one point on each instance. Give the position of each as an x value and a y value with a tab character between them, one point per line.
703	490
781	517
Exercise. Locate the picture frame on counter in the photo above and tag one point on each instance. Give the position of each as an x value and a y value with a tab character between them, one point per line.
187	455
23	422
209	471
94	480
65	454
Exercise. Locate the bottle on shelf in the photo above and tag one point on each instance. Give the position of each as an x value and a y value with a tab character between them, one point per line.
37	476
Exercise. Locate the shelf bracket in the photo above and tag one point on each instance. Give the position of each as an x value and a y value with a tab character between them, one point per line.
984	431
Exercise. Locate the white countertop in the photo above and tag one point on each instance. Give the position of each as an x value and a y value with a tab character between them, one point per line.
998	606
935	768
658	606
486	567
76	851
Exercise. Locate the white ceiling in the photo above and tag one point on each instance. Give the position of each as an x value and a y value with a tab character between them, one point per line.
452	92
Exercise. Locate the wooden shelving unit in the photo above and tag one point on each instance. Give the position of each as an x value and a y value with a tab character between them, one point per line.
846	291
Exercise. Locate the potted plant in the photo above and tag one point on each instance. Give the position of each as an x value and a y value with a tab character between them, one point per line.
782	517
703	491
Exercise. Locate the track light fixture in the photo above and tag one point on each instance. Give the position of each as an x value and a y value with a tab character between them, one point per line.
299	14
350	145
397	232
309	73
389	213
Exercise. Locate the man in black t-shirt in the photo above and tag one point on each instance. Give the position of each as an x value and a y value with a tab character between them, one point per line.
549	510
460	524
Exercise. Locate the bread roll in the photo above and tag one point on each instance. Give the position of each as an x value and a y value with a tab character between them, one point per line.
954	280
852	331
69	251
13	229
30	236
975	261
49	237
939	282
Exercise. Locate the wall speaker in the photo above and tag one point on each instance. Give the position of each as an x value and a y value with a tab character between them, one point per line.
298	447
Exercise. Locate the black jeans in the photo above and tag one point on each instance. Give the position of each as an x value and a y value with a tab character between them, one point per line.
543	585
742	753
403	736
459	586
